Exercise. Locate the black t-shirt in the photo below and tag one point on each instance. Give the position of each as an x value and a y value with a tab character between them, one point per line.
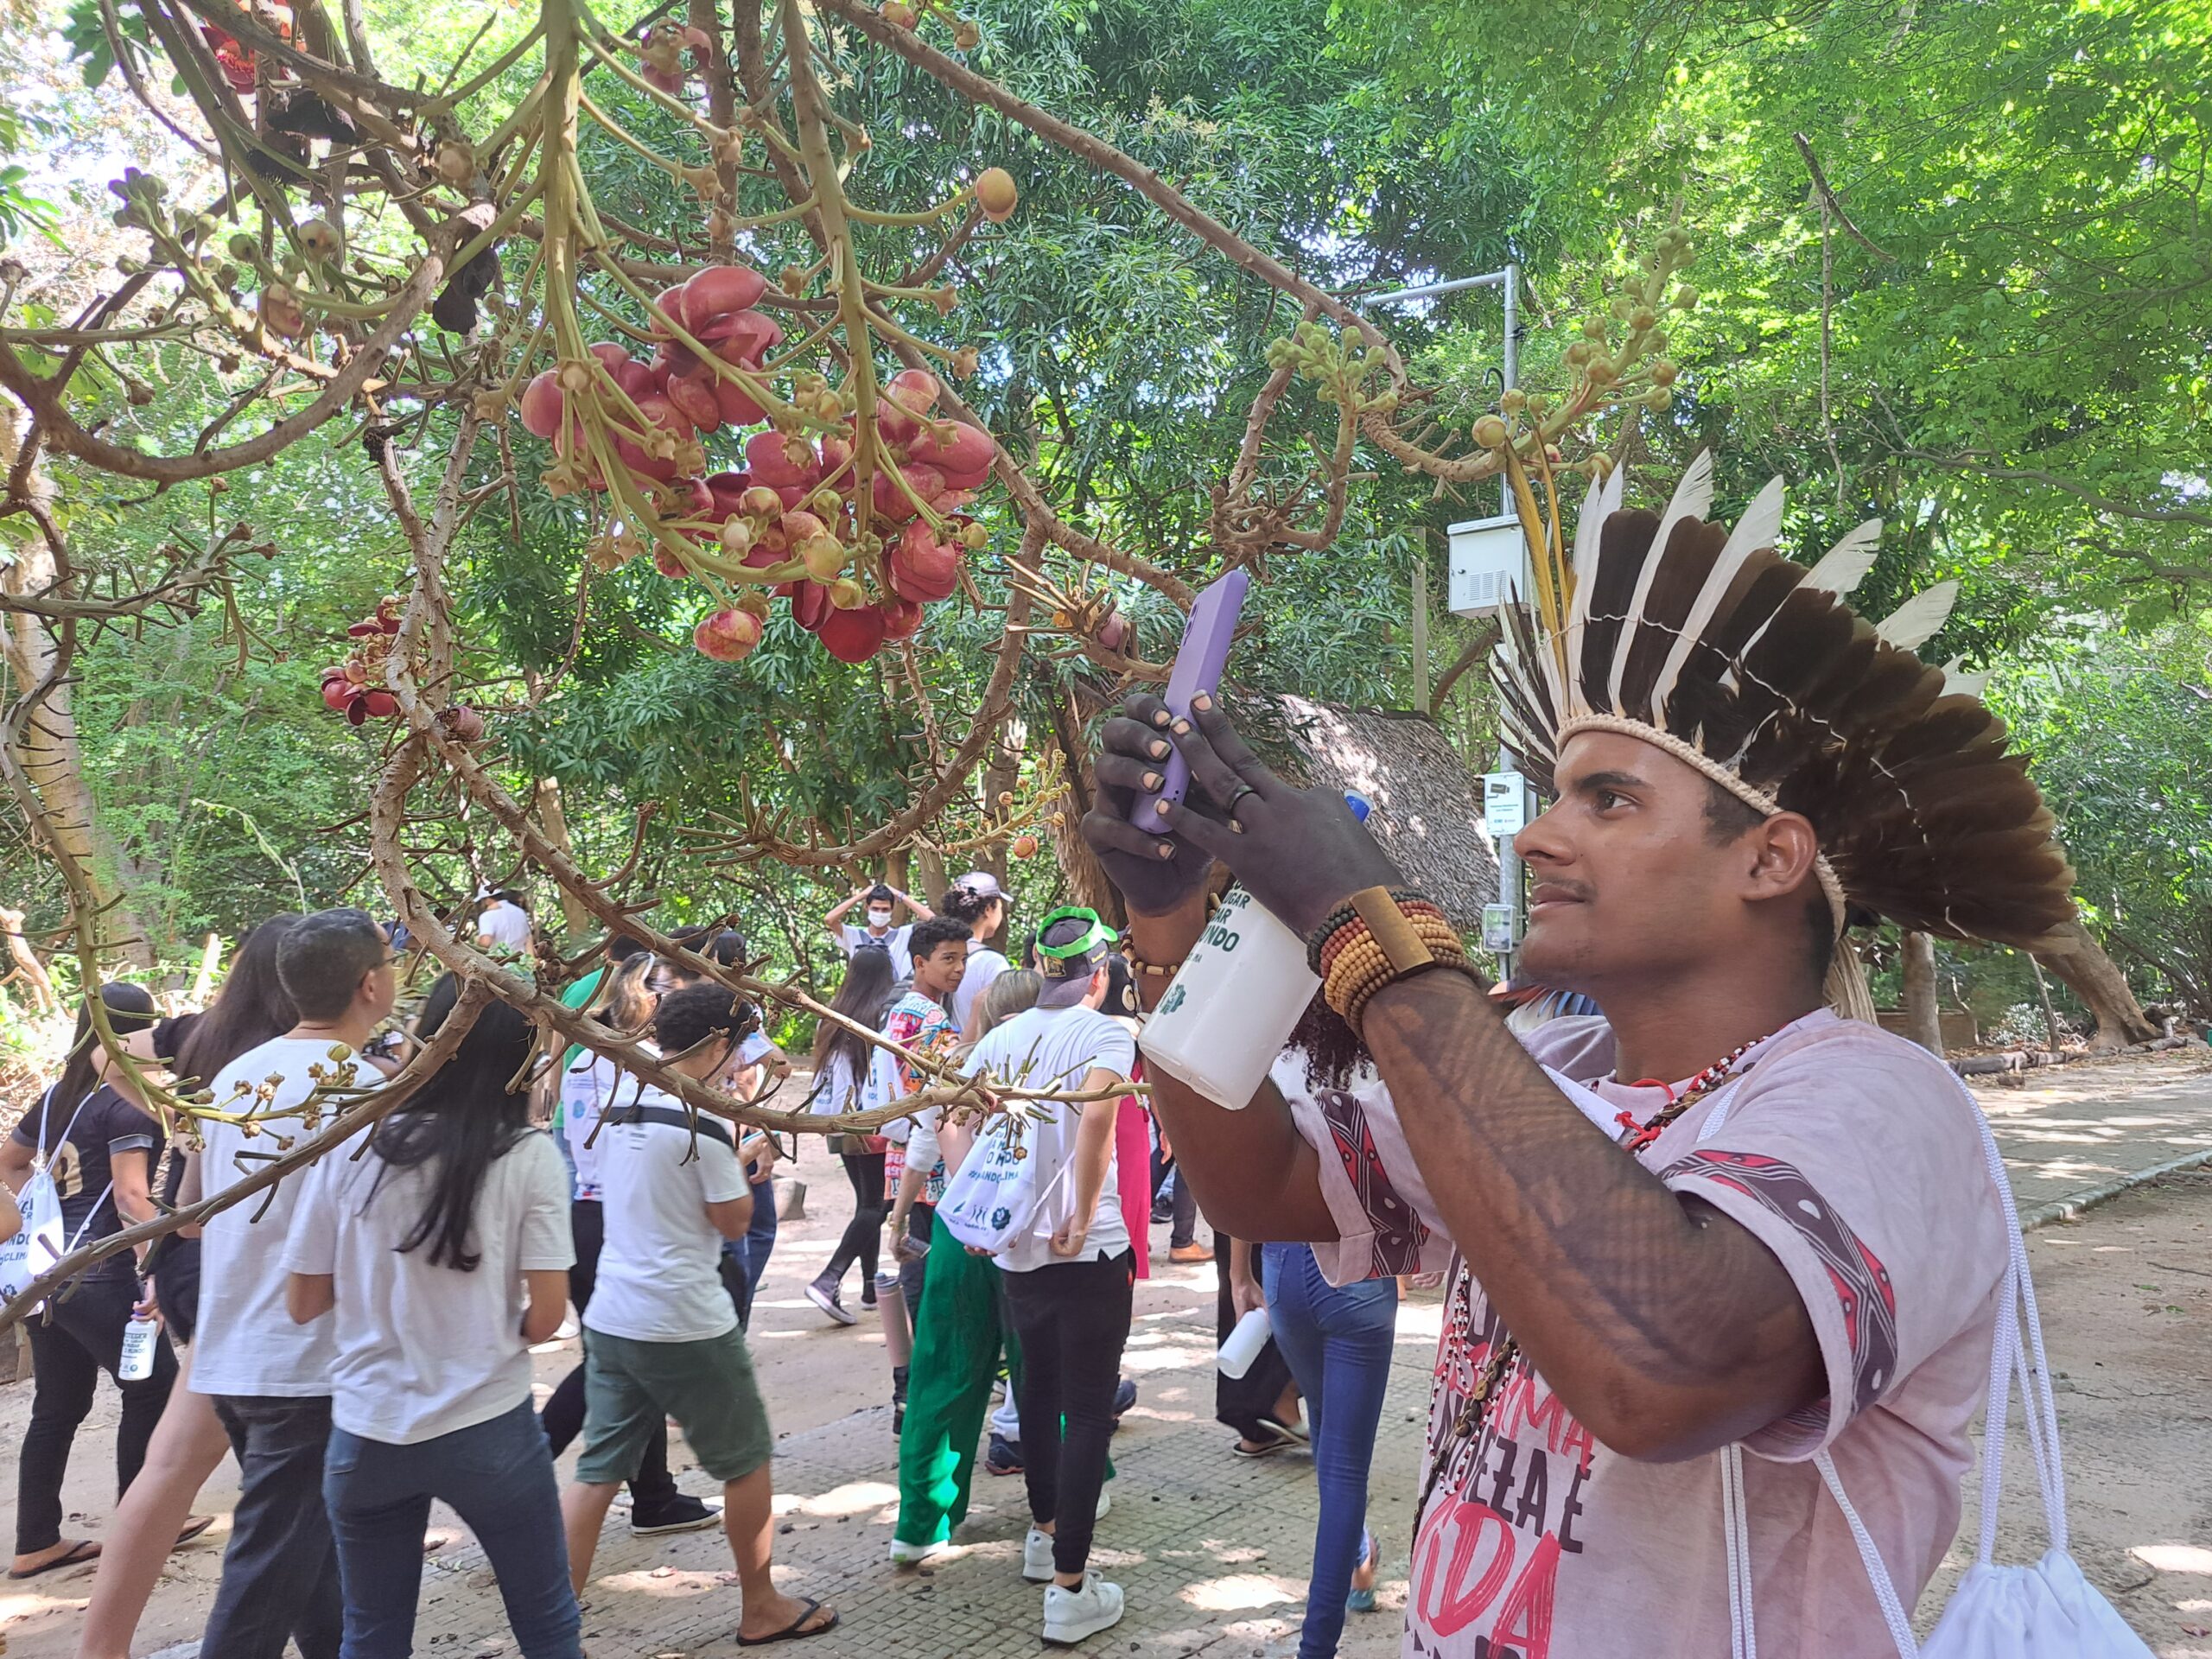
83	1165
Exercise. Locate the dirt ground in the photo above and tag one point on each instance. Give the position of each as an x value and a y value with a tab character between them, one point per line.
2127	1305
2127	1295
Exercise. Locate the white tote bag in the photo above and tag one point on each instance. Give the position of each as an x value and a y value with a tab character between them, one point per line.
41	1242
1002	1191
2039	1609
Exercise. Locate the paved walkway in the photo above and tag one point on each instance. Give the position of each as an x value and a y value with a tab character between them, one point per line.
1212	1551
2072	1127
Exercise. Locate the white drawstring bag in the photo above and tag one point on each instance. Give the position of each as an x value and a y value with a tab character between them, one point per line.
41	1242
2040	1610
1003	1193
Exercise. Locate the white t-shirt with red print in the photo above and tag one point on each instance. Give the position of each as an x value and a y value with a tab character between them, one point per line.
1851	1155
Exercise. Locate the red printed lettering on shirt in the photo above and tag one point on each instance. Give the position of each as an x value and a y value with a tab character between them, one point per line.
1452	1594
1468	1570
1524	1623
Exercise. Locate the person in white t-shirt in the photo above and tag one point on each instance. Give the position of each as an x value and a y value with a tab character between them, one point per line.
661	1336
591	1084
977	899
504	924
443	1254
880	901
1070	1274
269	1376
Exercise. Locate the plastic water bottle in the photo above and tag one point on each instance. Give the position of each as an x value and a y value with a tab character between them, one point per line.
1235	1001
1244	1346
138	1362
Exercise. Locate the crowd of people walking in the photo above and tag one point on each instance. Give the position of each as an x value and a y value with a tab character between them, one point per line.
359	1334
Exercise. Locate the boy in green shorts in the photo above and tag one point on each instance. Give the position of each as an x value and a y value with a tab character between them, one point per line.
661	1336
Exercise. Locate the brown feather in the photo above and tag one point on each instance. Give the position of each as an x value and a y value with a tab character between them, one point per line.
1688	559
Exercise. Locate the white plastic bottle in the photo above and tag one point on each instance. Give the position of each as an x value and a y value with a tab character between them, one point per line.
138	1362
1234	1003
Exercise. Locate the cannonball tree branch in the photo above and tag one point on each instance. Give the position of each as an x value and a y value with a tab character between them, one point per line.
425	631
43	397
1085	146
358	1110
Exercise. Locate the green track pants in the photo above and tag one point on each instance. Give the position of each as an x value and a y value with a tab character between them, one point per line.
958	1337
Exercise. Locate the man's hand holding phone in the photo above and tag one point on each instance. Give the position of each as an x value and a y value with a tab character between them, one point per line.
1179	789
1301	852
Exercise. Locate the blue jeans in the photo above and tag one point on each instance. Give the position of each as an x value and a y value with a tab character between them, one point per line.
1338	1342
499	1477
751	1252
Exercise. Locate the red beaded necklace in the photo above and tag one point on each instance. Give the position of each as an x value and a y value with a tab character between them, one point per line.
1640	1135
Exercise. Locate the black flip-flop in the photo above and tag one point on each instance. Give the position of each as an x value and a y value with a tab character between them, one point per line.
793	1631
1283	1441
193	1527
75	1555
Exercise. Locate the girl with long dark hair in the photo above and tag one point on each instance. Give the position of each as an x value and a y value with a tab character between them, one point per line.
156	1514
851	1075
98	1145
443	1251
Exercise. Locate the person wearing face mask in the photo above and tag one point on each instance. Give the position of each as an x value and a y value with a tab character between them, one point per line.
880	902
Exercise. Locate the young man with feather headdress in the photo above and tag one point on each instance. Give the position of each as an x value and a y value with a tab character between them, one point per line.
1725	1219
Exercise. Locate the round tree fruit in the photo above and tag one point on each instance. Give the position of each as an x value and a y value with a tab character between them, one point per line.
996	195
727	636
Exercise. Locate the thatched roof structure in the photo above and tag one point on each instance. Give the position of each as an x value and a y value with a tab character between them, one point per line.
1428	806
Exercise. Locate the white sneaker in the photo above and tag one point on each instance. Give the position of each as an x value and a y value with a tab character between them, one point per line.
1037	1556
1105	1503
906	1554
1073	1615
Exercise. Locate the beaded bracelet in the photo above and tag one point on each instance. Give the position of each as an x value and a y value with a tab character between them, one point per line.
1374	938
1410	904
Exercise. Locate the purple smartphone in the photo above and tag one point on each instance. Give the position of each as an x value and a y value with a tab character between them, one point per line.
1197	668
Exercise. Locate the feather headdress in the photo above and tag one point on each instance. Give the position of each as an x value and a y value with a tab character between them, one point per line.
1708	644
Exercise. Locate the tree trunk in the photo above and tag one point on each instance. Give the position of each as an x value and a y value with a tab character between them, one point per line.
52	762
27	963
2049	1013
1923	1019
203	982
929	871
2081	965
555	824
1087	879
999	779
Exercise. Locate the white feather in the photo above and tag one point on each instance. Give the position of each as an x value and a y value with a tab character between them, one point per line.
1916	622
1844	566
1758	528
1585	527
1693	499
1599	503
1959	683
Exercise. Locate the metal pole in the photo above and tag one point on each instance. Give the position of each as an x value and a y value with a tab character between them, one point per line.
1509	279
1430	290
1508	860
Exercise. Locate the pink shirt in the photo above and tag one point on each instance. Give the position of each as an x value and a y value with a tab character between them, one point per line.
1854	1157
1133	1173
